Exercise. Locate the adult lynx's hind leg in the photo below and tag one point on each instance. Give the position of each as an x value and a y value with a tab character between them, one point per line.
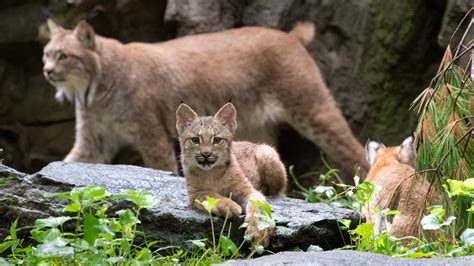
271	170
324	124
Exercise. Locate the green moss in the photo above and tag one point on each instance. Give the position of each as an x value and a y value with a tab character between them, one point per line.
401	58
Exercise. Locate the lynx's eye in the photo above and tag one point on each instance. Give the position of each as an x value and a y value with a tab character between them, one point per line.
195	140
62	56
216	140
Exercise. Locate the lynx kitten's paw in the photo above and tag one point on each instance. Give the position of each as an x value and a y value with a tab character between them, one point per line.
226	207
259	237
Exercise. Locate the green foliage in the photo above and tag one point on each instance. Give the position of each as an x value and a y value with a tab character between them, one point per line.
444	136
439	239
434	220
99	239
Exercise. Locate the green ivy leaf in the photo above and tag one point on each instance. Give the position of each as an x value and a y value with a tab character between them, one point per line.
51	221
142	199
198	243
328	191
364	192
54	248
45	236
314	248
73	207
345	222
208	204
244	225
460	188
259	249
467	237
227	246
262	206
91	230
285	230
127	218
115	259
144	256
433	221
365	230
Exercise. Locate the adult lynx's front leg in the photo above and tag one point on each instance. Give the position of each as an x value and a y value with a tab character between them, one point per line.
156	148
90	146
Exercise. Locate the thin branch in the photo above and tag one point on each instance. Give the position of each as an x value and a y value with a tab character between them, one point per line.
460	24
471	131
464	36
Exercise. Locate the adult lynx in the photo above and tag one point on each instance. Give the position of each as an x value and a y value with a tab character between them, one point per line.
125	94
216	166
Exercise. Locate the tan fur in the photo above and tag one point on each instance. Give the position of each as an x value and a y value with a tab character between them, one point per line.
243	170
400	187
124	94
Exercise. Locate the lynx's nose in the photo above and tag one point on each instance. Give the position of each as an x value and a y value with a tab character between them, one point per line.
48	68
206	154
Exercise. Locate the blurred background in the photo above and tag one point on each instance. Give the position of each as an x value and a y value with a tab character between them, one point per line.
375	55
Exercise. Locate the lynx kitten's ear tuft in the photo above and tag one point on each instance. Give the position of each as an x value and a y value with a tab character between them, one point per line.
185	115
53	27
227	116
85	34
407	151
372	146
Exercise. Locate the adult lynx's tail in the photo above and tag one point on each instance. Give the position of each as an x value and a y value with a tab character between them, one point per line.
303	31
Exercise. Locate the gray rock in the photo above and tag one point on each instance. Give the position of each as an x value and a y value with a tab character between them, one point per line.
300	224
346	257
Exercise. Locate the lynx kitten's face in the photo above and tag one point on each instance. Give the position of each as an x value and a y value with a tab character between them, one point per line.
205	141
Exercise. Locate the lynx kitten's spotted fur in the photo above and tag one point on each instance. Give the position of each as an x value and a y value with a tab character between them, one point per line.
126	94
216	166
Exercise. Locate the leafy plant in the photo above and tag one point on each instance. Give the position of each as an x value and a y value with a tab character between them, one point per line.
97	238
444	133
224	247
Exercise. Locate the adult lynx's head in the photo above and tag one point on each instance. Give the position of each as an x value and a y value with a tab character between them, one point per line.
71	63
206	141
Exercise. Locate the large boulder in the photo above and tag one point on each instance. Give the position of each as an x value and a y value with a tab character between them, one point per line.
346	257
300	224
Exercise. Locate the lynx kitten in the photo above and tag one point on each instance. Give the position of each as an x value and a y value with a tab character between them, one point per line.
392	169
216	166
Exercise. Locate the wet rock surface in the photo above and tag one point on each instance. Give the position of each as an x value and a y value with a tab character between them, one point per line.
300	224
346	257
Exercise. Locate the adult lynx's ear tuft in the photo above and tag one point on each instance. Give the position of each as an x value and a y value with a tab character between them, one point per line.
227	116
85	34
372	146
53	27
185	115
407	153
